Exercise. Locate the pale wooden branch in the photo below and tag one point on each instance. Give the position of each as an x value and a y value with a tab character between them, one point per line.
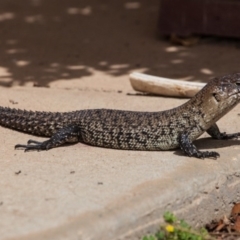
164	86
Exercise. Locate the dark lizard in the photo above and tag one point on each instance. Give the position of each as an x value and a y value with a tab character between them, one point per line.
177	127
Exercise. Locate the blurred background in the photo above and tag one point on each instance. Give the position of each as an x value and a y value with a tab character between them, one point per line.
97	43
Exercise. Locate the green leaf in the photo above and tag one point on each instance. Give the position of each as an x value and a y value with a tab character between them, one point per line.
169	217
149	237
160	235
204	232
183	224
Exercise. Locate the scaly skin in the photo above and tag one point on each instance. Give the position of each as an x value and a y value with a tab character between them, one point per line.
164	130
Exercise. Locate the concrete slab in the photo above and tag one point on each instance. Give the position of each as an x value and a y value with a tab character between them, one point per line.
84	192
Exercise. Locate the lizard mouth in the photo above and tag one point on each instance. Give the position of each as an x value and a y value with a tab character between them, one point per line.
236	91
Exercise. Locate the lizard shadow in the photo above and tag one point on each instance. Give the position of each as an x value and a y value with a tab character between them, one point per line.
209	143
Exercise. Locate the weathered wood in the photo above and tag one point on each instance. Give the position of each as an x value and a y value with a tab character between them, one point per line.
164	86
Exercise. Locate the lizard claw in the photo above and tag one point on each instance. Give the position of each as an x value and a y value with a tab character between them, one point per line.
30	141
32	145
207	154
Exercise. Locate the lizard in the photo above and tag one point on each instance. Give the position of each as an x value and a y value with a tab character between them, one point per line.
134	130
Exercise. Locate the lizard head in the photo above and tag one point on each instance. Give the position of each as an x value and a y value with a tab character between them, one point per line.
220	95
226	90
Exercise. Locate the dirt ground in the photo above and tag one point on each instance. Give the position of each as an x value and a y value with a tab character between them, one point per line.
94	45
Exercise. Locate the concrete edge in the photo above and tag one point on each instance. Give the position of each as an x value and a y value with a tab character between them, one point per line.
141	212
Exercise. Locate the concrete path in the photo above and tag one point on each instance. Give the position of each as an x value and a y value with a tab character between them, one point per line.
79	54
83	192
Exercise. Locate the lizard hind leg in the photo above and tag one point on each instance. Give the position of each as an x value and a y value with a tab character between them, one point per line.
68	134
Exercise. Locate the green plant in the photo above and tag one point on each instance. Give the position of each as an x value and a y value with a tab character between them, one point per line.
175	229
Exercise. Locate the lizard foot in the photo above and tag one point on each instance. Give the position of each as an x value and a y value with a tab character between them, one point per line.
199	154
33	145
215	133
226	136
68	134
191	150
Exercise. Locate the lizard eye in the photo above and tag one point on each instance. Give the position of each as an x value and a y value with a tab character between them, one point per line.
217	97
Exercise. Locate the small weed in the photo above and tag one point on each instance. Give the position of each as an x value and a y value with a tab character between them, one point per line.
175	229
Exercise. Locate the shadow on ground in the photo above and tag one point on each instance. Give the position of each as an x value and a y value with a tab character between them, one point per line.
46	40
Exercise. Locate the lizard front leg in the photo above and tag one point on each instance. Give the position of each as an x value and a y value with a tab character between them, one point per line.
215	133
191	150
68	134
